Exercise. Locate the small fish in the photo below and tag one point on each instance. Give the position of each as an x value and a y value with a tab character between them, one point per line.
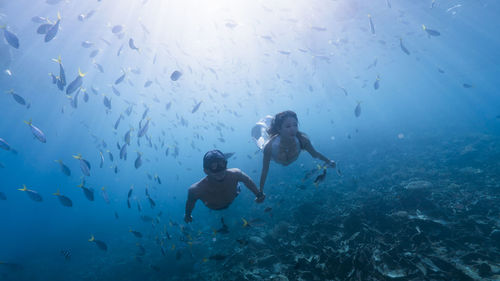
144	129
136	233
100	244
44	28
84	164
141	251
175	75
20	100
33	195
115	91
65	201
467	86
116	215
126	138
148	83
372	27
196	107
138	160
146	218
8	72
123	152
88	192
157	178
357	110
87	44
64	169
94	53
52	32
10	37
430	32
38	19
76	83
66	254
121	78
117	29
99	67
107	102
376	84
320	178
39	135
119	50
101	164
4	145
388	4
344	90
245	222
105	195
403	48
132	46
117	123
130	192
151	202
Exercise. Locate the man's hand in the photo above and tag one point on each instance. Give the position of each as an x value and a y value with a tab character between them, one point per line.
331	164
260	197
188	218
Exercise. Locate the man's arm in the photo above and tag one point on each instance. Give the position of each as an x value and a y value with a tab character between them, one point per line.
190	202
245	179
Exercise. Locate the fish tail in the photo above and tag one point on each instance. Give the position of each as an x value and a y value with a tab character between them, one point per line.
3	26
23	189
79	156
57	193
245	223
423	27
80	73
28	122
92	238
58	15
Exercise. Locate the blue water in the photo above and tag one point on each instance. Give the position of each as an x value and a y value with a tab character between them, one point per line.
243	60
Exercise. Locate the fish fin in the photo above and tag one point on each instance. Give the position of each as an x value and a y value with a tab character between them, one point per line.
58	60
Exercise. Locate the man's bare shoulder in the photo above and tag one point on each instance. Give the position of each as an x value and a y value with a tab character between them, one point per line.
198	185
233	171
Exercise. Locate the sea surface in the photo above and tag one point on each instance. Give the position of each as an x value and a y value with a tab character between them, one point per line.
107	108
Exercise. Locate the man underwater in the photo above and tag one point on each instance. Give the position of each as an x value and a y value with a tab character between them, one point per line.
220	187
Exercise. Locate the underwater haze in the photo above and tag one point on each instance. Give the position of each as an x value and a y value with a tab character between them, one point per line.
108	107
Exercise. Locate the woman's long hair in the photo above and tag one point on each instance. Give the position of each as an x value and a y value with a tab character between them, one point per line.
278	121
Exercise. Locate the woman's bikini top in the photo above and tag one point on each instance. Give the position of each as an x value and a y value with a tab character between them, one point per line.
275	150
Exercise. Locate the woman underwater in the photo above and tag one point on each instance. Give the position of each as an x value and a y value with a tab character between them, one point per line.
285	143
